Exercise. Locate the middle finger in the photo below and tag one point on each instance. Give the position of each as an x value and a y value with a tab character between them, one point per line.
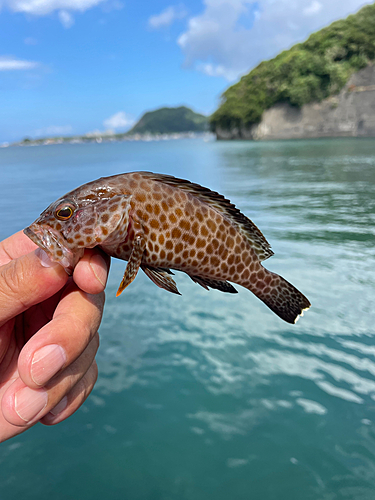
61	341
22	406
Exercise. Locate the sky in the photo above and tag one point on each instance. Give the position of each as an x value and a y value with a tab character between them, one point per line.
71	67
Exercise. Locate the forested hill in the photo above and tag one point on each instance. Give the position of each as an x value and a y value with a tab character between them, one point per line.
309	71
170	120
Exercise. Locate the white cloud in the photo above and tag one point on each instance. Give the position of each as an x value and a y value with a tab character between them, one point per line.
13	64
313	8
118	120
167	17
45	7
230	37
53	130
66	19
216	70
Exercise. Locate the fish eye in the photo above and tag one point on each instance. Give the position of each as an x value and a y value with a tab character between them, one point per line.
64	213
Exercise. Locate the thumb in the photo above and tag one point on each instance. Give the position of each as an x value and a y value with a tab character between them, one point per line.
27	281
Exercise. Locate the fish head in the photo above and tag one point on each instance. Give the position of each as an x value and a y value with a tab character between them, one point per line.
73	223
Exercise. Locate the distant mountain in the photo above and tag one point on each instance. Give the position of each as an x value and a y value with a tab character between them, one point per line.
169	121
309	72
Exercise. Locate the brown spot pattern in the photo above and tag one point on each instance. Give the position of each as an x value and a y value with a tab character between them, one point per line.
185	227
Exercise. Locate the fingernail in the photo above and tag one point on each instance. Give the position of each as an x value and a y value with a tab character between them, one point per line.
28	403
44	259
99	268
46	362
60	406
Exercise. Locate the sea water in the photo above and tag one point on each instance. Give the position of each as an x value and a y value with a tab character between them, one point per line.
210	396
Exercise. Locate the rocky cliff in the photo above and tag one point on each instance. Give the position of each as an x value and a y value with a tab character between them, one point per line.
351	113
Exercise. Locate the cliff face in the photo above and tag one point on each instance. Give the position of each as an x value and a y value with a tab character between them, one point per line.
349	114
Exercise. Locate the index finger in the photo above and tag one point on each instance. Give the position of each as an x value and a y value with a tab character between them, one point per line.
27	281
90	274
15	246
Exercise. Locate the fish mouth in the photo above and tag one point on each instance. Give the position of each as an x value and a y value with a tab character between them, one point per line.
52	243
35	238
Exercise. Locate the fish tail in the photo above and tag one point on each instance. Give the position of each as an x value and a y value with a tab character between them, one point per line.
279	295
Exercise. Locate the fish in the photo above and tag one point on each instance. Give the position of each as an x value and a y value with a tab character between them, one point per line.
159	223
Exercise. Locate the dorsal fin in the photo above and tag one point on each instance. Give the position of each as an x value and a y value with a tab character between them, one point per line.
225	207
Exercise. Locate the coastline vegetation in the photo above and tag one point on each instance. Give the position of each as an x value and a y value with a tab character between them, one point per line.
309	71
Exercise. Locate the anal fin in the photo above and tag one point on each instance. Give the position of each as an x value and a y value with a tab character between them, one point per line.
161	278
206	283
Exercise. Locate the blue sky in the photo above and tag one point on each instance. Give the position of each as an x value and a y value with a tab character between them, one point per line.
74	66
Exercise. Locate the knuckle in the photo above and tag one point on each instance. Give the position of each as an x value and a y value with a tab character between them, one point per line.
97	304
12	280
86	325
80	328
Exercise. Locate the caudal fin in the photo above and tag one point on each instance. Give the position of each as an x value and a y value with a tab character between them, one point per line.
279	295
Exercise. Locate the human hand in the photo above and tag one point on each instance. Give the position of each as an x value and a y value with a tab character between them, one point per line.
48	334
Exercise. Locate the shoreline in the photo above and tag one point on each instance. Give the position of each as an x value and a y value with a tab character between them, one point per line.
100	138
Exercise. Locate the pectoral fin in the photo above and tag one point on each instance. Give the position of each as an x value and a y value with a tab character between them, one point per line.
134	262
206	283
161	278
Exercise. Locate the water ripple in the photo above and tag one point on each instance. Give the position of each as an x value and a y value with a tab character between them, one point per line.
210	395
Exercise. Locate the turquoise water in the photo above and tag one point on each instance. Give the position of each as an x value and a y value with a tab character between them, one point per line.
210	395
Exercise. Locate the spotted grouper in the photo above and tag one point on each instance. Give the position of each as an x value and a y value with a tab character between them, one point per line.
158	222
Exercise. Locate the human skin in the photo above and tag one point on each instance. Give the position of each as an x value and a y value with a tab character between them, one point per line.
48	334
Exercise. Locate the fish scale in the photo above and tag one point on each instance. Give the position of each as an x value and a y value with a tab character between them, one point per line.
158	222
